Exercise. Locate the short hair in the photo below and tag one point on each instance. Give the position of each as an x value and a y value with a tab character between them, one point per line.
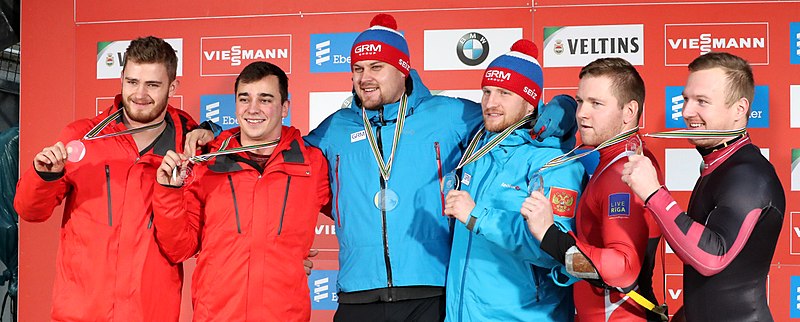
152	50
257	71
626	83
737	72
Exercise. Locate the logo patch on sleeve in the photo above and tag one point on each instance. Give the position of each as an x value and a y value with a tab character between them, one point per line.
619	205
563	201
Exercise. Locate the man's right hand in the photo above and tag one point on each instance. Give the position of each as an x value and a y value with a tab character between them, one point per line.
196	139
51	159
171	161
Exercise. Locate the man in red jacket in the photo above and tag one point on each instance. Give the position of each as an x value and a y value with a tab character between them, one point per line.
250	211
109	266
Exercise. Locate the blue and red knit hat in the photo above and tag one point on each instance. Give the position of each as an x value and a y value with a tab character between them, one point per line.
382	42
517	71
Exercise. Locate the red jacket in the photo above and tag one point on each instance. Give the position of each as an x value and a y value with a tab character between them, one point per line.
109	266
252	230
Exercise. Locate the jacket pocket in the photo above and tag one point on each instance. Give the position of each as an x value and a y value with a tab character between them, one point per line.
108	193
283	208
235	206
440	173
537	283
338	192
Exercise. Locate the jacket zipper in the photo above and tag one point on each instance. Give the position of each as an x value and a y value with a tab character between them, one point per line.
235	206
383	211
108	192
535	281
338	192
283	209
463	279
441	176
150	222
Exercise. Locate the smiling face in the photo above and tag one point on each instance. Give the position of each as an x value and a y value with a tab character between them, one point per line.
377	83
145	91
259	110
705	106
502	108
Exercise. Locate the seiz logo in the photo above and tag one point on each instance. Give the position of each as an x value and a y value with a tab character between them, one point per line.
531	92
794	235
322	286
497	75
684	42
225	56
367	49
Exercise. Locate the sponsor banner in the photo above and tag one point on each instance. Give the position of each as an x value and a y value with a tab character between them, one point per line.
576	46
795	169
221	109
323	104
674	287
227	56
794	234
330	53
794	36
110	55
759	108
474	95
322	285
684	42
794	105
682	168
103	103
457	49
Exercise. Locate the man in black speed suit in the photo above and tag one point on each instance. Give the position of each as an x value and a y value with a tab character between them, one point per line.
727	237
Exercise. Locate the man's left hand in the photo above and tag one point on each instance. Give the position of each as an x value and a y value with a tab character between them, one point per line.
641	176
538	213
458	204
307	263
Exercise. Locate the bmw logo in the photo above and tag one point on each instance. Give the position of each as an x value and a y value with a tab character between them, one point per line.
472	49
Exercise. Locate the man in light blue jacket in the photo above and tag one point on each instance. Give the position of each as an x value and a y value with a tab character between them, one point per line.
497	270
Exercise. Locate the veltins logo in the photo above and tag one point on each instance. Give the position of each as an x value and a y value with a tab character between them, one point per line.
330	53
322	285
759	112
796	170
221	109
226	56
794	296
110	55
794	35
684	42
576	46
794	234
457	49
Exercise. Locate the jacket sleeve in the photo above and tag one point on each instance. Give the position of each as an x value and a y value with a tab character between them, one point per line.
177	220
507	229
37	196
320	165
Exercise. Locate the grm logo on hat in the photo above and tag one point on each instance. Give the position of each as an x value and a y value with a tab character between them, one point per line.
472	49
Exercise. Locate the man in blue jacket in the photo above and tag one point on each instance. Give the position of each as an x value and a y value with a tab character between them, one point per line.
497	271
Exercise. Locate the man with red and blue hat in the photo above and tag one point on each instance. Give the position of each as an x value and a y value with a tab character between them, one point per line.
497	270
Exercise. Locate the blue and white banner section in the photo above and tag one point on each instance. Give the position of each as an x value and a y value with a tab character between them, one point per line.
759	108
458	49
322	285
221	109
330	53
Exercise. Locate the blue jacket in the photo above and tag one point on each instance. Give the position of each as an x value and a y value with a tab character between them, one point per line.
497	270
409	245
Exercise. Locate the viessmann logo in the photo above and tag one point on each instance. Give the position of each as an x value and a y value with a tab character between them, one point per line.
226	56
684	42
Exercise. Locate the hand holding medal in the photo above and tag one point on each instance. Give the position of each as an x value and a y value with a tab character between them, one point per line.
174	170
51	159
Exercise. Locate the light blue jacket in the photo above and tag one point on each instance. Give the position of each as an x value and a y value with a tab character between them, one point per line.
497	270
410	245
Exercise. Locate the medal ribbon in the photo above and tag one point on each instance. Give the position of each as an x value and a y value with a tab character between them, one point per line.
223	151
697	134
92	134
561	159
386	167
470	157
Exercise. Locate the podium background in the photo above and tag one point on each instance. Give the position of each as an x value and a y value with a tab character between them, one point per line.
66	76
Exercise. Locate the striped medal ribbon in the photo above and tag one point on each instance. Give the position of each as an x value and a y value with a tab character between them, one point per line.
222	149
697	134
385	168
561	159
76	150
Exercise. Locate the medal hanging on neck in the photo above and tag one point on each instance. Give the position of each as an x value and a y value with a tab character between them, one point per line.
386	199
537	181
76	150
186	171
450	180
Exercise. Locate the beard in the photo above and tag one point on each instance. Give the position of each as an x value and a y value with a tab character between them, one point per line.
144	116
